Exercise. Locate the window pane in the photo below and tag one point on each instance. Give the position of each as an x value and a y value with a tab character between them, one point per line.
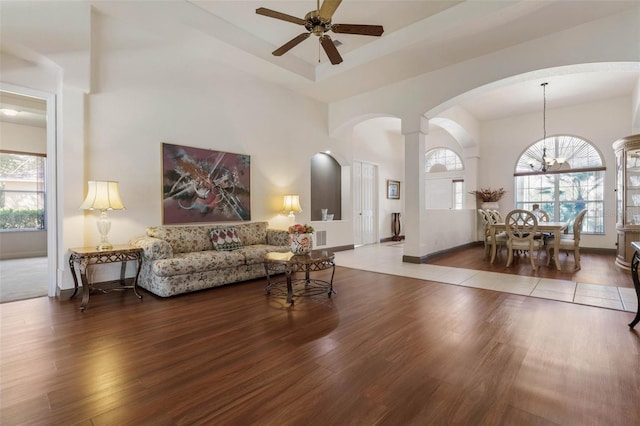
442	160
564	195
22	195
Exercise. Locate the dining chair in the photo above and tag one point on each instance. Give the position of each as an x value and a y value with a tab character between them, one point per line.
500	237
496	215
521	227
569	244
542	216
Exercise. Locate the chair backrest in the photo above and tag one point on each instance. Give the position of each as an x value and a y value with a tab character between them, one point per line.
486	220
577	225
521	225
541	215
496	216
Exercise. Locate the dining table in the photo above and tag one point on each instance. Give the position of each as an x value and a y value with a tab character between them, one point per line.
553	228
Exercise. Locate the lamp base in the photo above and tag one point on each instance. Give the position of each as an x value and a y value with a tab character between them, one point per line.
104	225
105	246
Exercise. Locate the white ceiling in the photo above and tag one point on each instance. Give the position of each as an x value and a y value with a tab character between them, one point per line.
420	36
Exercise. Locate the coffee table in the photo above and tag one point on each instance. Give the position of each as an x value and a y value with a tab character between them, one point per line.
289	263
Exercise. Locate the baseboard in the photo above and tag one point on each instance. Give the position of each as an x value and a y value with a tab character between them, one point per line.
430	256
339	248
391	239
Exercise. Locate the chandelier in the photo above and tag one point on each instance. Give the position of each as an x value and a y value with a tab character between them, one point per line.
547	163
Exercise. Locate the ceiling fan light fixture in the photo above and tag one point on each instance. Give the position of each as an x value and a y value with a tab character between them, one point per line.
318	23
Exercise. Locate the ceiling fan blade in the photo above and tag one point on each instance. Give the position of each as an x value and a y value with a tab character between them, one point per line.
279	15
330	49
368	30
328	8
290	44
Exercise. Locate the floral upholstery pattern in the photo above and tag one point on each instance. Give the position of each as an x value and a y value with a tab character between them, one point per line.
188	263
181	259
276	237
183	239
252	233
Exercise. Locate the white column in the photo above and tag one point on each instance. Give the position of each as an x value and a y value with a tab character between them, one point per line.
413	223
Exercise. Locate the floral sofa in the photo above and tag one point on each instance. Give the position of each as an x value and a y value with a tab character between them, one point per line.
182	259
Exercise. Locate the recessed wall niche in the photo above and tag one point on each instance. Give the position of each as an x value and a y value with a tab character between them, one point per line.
326	186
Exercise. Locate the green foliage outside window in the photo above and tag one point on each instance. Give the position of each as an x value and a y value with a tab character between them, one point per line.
21	219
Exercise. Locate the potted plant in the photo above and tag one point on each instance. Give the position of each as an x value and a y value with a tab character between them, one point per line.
488	195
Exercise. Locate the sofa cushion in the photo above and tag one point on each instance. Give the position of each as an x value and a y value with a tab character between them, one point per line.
225	239
252	233
183	239
199	261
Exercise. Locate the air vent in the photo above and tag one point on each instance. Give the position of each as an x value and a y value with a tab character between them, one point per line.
321	238
337	43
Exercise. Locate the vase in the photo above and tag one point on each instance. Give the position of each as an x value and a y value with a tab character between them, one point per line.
490	205
395	226
301	243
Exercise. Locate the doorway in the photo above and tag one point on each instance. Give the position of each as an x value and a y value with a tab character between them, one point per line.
31	118
365	203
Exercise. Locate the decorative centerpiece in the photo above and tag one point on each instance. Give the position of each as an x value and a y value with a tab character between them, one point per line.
301	238
489	197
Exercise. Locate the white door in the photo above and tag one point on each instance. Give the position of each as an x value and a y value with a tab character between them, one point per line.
365	203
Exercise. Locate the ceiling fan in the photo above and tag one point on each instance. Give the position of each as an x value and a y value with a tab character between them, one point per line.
318	22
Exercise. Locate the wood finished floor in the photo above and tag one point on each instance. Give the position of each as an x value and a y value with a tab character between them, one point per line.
385	350
597	268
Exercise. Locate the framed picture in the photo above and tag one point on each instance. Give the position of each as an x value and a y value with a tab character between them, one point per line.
202	185
393	189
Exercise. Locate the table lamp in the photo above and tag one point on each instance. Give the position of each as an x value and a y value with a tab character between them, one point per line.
292	205
103	196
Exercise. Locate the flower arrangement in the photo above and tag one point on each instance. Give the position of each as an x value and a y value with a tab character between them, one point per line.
488	195
301	229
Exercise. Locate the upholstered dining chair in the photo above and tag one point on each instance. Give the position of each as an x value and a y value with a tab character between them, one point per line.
495	215
500	237
542	216
521	227
569	243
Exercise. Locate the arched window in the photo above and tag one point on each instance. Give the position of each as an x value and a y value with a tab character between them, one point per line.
441	160
444	188
573	180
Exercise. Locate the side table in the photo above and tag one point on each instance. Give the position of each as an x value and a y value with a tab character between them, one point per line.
636	281
89	256
289	263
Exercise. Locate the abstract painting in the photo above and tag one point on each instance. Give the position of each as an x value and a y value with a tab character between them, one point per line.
202	185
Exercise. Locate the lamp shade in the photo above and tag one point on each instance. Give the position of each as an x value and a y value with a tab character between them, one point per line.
292	204
102	195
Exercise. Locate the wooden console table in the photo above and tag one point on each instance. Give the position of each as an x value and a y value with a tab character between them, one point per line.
89	256
636	281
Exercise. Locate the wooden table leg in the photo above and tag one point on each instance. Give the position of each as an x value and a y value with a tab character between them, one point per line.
556	248
492	234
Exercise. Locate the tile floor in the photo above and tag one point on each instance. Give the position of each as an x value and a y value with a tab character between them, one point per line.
387	258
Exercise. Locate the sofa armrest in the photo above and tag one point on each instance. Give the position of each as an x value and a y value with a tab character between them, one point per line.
277	237
154	248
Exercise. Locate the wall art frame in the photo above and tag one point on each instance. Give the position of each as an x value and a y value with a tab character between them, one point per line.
204	185
393	189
